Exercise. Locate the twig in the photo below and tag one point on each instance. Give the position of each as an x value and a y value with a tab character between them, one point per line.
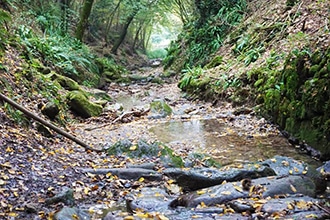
119	118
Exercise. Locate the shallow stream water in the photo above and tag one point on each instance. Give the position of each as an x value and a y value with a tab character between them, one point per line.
200	127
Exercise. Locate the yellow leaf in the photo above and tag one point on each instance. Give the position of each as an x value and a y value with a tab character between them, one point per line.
7	165
75	216
132	148
296	169
196	216
141	215
129	218
225	193
302	205
293	188
311	216
141	179
11	171
12	214
273	160
290	171
203	205
304	172
50	188
257	166
2	182
290	206
201	192
162	217
9	150
170	181
86	190
239	189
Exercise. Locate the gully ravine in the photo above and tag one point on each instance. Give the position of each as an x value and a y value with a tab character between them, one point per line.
253	169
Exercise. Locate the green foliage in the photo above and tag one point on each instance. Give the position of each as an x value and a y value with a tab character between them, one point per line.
168	153
204	36
190	75
4	17
16	115
159	53
68	55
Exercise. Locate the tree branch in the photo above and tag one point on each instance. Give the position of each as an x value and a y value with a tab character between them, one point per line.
47	124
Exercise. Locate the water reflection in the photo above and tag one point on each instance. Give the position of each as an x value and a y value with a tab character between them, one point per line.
226	144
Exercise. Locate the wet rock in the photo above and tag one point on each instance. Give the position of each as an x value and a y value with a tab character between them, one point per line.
241	205
100	94
199	178
127	173
66	197
51	110
68	213
286	166
309	215
149	200
149	166
261	188
159	109
31	208
44	130
325	170
292	204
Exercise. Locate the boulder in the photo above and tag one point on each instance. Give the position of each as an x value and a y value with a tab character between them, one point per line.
159	109
51	110
260	188
68	213
80	104
198	178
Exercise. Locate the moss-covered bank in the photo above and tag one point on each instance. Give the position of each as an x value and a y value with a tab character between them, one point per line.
299	98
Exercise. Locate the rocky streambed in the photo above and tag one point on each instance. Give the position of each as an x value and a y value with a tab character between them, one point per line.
182	159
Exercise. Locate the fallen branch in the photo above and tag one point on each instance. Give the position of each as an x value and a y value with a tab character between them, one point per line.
120	117
47	124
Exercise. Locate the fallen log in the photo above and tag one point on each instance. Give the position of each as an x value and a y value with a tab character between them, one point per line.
47	124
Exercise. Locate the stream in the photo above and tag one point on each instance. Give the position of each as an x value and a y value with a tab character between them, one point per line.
227	134
195	126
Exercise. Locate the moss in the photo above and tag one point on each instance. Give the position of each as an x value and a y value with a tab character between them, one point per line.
160	107
66	82
316	57
216	61
80	104
314	69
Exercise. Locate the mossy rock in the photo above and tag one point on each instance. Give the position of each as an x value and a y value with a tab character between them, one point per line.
160	107
144	149
80	104
66	82
216	61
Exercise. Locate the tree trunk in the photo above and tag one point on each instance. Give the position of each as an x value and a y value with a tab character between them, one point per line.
123	32
64	5
87	8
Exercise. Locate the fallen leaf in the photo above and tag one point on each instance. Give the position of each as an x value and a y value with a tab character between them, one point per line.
225	193
293	188
201	192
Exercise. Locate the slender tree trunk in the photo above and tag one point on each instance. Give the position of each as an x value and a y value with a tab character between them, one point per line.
64	5
87	8
123	33
109	22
